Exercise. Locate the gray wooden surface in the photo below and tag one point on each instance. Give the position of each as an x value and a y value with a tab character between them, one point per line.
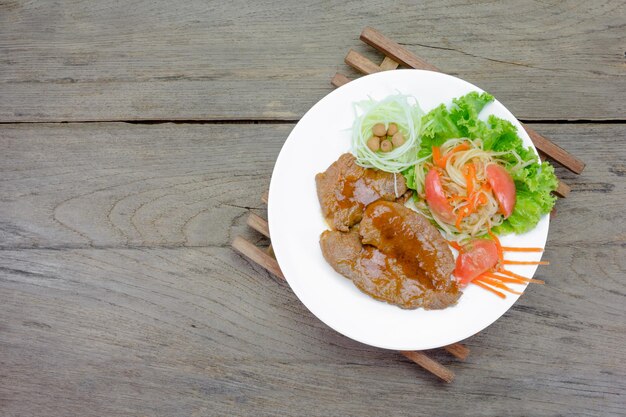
269	59
119	292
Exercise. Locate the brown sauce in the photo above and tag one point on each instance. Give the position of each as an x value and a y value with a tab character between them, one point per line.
417	247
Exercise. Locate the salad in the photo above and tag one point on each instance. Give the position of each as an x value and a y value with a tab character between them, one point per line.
472	178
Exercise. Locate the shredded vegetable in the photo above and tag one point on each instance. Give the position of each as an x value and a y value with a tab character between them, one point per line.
394	109
461	166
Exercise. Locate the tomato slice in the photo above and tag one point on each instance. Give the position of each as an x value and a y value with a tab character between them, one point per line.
436	198
474	259
503	188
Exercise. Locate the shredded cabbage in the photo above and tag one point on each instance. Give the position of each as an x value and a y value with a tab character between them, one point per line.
393	109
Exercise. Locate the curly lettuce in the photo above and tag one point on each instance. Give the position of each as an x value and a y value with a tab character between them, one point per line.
534	183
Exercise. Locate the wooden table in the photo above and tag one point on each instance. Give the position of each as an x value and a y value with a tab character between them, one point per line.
135	139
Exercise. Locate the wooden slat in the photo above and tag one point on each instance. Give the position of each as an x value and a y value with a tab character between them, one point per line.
259	224
430	365
256	255
555	152
339	79
361	63
562	189
388	64
391	49
458	350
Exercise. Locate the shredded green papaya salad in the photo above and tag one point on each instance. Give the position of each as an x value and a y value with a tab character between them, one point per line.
471	177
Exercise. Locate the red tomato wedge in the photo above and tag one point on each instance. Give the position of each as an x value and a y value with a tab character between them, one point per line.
503	188
436	198
474	259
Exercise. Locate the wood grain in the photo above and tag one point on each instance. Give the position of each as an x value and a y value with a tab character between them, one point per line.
127	185
154	331
120	294
81	61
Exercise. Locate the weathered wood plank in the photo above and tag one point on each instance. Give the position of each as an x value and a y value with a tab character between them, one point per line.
199	330
192	185
107	186
78	60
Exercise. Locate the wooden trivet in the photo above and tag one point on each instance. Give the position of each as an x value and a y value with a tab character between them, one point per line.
395	55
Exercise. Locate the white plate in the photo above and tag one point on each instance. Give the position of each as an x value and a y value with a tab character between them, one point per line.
296	223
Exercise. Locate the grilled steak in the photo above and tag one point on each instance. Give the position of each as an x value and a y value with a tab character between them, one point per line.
345	189
414	273
408	236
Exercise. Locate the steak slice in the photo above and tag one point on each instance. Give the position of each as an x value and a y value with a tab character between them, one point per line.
345	189
379	275
398	231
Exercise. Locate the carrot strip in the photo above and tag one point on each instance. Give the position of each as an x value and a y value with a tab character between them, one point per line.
513	249
477	281
498	284
437	157
454	245
514	275
462	147
498	245
459	218
470	175
506	262
511	280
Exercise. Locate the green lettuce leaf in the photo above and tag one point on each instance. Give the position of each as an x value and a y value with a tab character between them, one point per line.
409	176
441	124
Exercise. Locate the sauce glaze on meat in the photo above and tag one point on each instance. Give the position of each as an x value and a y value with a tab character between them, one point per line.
345	189
394	254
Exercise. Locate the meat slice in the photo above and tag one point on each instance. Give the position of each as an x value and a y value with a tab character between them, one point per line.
398	231
345	189
382	276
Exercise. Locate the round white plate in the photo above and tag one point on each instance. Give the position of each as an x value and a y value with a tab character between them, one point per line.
296	222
